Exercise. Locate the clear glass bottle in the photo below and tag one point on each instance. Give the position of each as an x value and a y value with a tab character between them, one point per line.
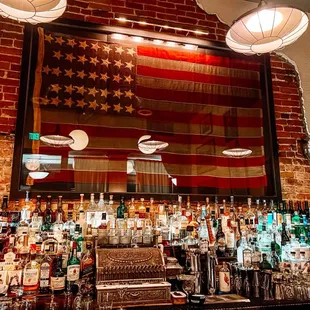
81	216
23	225
38	209
58	227
69	226
102	231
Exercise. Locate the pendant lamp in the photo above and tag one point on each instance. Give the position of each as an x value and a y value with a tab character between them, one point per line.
147	146
57	139
33	11
237	152
266	29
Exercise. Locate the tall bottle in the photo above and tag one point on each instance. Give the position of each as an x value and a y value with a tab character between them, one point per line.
88	264
122	211
81	215
224	280
73	267
31	274
58	279
45	273
38	209
230	240
220	240
47	222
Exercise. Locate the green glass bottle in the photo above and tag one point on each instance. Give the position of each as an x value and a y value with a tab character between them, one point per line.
121	209
47	223
73	266
265	265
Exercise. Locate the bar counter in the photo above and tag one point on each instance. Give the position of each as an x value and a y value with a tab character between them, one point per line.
253	304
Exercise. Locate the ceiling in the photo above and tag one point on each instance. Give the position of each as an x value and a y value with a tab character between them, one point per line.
302	4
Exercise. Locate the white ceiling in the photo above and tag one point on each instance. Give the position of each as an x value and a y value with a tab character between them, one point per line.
302	4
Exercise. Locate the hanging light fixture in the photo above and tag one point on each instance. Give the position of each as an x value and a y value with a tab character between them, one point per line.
56	139
147	146
237	152
33	11
266	29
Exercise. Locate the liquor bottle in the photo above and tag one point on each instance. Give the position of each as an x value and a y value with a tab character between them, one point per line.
23	225
232	215
265	265
237	233
224	280
132	208
59	208
88	264
58	227
81	217
45	273
188	212
279	215
47	221
175	226
64	250
287	215
122	209
274	258
296	223
244	253
38	210
102	230
307	209
69	226
31	274
256	254
230	240
284	237
110	211
220	240
73	267
152	211
214	222
35	224
4	211
9	252
58	279
25	212
142	209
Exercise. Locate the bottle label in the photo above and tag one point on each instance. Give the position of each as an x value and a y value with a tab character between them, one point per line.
65	258
58	283
279	218
31	277
9	257
247	258
73	272
221	244
224	281
45	271
22	230
230	240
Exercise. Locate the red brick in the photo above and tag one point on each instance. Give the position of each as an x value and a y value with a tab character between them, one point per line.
10	89
4	65
133	5
9	82
97	20
9	112
146	14
166	4
187	20
167	16
187	8
73	16
207	23
124	10
73	9
7	121
11	97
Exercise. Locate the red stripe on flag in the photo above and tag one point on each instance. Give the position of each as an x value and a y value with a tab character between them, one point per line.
198	58
197	77
198	98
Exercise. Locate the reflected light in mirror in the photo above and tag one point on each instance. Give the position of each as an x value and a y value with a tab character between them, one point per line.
80	138
237	152
56	140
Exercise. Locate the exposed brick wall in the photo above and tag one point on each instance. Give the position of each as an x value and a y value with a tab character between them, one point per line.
295	170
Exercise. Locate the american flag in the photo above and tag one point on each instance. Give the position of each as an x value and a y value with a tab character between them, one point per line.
197	102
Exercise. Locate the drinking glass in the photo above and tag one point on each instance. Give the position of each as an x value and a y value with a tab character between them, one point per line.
52	305
78	303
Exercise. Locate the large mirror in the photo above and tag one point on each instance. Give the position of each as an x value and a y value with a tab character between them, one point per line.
104	112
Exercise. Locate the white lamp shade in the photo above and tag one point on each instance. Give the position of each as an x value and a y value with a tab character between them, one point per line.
57	140
266	29
35	11
147	146
80	138
38	175
237	152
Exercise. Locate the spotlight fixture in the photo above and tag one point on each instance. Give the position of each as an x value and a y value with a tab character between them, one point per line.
267	28
123	19
33	11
